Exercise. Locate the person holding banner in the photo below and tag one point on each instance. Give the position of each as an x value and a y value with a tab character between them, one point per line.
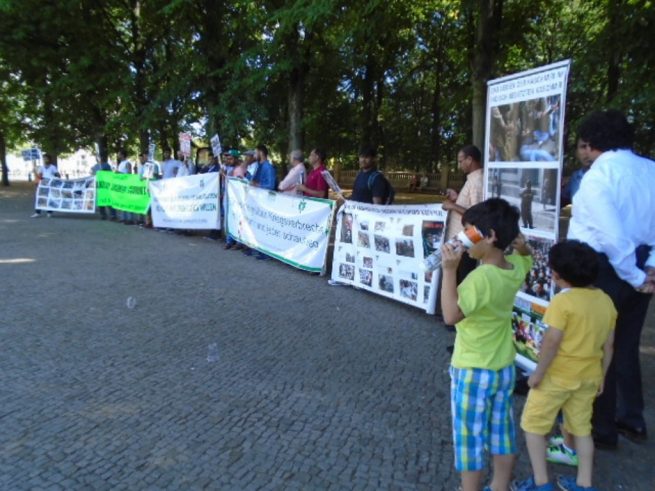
315	185
613	213
169	166
125	167
296	175
265	174
102	209
47	171
370	185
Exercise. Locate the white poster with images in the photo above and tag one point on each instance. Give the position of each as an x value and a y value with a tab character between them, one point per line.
381	248
67	195
292	229
189	203
523	155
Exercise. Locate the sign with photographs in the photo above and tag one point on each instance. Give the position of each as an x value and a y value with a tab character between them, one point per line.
524	161
185	144
186	202
66	195
529	330
382	248
292	229
125	192
216	145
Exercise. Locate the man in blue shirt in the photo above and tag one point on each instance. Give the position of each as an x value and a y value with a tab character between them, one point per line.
265	174
370	185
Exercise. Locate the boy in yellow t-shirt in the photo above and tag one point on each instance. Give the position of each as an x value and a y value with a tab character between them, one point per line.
574	356
482	368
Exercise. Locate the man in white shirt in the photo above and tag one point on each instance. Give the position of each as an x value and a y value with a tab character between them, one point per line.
296	175
169	166
613	213
47	171
125	167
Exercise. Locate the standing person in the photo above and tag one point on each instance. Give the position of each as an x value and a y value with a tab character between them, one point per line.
94	170
169	166
582	154
370	185
125	167
613	213
47	171
470	163
264	176
149	169
575	354
315	184
296	175
527	195
482	367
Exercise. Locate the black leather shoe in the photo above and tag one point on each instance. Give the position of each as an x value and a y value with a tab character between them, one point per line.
605	443
635	435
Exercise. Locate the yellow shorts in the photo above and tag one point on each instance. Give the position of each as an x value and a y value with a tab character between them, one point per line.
574	398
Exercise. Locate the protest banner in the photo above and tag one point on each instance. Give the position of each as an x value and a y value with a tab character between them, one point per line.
292	229
67	196
125	192
524	143
216	145
381	248
189	202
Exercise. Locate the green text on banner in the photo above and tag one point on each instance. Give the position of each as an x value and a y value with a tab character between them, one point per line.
293	229
126	192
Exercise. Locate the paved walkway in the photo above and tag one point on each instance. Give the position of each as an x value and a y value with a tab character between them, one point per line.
317	387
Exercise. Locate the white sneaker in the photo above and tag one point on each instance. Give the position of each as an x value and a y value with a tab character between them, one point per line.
35	215
556	440
561	454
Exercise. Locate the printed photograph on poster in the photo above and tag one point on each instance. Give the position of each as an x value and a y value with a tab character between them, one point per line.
350	258
347	271
363	240
426	293
385	282
347	228
363	226
367	262
365	277
380	226
409	289
405	247
408	230
532	191
529	330
526	131
382	243
538	282
431	233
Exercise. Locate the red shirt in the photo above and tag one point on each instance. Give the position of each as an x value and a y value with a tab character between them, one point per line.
315	181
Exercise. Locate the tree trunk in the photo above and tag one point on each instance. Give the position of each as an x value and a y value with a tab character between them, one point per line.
489	16
435	134
613	49
3	160
103	148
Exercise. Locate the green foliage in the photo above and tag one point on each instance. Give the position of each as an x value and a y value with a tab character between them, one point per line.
395	73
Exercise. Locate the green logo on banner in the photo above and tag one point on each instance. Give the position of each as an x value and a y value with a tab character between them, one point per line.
302	205
125	192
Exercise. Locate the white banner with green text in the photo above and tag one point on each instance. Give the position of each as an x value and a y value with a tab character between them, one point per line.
292	229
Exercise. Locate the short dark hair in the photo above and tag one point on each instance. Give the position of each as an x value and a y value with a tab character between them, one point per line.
263	149
576	262
321	153
143	154
606	130
368	151
495	214
473	152
122	152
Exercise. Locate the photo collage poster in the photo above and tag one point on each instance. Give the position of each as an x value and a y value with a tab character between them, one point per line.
382	248
523	164
67	195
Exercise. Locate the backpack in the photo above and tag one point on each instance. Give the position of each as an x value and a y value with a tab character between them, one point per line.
391	192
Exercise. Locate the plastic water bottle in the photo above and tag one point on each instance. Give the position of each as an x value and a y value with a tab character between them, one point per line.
466	238
212	353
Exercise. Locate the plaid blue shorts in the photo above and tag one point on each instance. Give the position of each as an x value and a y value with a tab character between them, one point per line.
481	404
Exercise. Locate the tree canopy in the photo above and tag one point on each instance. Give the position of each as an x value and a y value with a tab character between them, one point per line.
406	76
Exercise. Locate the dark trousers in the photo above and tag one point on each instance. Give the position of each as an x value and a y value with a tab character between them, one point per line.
622	399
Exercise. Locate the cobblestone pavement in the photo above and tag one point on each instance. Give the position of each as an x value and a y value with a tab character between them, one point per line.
317	387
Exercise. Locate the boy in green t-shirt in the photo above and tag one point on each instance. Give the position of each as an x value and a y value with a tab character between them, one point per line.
482	368
574	356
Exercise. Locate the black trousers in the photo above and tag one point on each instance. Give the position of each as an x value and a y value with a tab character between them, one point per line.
622	399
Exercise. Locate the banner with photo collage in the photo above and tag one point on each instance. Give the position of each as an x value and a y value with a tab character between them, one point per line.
381	249
67	195
523	165
190	203
293	229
